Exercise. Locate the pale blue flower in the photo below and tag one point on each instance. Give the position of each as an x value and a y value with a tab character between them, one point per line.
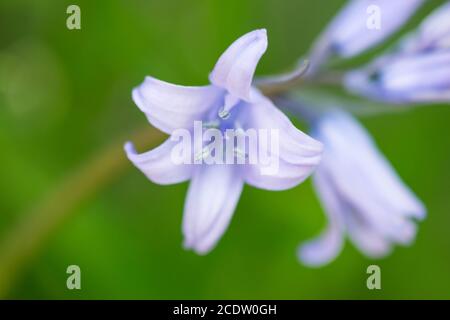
361	193
229	101
350	34
417	72
404	79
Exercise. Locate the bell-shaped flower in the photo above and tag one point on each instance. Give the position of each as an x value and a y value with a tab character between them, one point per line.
361	193
417	72
360	25
404	79
228	103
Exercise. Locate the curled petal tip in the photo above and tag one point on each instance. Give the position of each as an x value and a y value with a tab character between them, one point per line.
236	66
197	247
129	149
421	213
157	163
261	32
308	256
169	106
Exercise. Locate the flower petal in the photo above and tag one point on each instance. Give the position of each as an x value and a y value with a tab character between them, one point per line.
366	238
235	68
297	153
366	181
211	201
405	76
346	217
158	165
169	107
349	33
399	77
434	32
360	192
328	245
362	161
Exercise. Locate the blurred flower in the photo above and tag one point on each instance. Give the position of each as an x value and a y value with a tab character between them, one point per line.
361	194
417	72
416	78
349	33
229	102
433	34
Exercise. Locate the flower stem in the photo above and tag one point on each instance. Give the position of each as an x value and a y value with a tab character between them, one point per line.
275	85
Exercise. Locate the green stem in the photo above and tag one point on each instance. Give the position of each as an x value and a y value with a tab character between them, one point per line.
25	239
275	85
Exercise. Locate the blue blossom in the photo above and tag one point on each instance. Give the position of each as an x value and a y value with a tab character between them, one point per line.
349	34
229	101
418	71
361	193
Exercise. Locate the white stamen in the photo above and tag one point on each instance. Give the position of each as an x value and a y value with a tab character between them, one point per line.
240	154
211	124
224	114
229	103
202	154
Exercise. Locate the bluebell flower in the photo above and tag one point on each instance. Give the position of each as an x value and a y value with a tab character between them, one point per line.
350	33
229	102
417	72
361	193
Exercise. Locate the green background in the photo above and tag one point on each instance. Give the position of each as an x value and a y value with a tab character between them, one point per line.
65	95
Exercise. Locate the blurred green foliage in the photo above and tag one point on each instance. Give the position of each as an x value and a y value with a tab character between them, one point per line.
64	94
